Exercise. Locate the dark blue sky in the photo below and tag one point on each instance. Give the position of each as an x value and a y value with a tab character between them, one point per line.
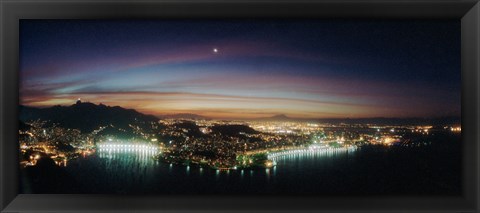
246	68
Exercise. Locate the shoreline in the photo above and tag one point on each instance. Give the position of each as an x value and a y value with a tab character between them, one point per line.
268	162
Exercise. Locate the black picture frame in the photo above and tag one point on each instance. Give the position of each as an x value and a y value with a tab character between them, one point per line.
468	11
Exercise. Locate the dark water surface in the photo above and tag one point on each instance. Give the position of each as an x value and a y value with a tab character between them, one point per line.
370	170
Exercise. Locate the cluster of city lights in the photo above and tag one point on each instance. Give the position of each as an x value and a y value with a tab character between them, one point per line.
455	129
127	147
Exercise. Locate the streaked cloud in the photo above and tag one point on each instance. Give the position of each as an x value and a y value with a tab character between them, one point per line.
254	72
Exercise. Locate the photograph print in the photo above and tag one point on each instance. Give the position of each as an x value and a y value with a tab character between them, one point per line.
281	107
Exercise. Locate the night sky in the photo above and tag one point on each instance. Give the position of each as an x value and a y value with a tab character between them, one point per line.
245	68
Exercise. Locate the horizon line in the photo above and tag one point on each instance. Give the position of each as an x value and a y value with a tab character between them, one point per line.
162	116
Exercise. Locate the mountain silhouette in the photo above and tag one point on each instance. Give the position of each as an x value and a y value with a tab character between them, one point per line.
233	130
281	116
86	116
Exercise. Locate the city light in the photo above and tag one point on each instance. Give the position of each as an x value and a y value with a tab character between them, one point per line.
311	150
116	147
456	129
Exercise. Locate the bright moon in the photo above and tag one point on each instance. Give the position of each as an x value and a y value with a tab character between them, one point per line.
215	50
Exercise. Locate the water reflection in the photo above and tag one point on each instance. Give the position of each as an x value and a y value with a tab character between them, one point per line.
138	162
311	152
120	170
129	154
135	168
